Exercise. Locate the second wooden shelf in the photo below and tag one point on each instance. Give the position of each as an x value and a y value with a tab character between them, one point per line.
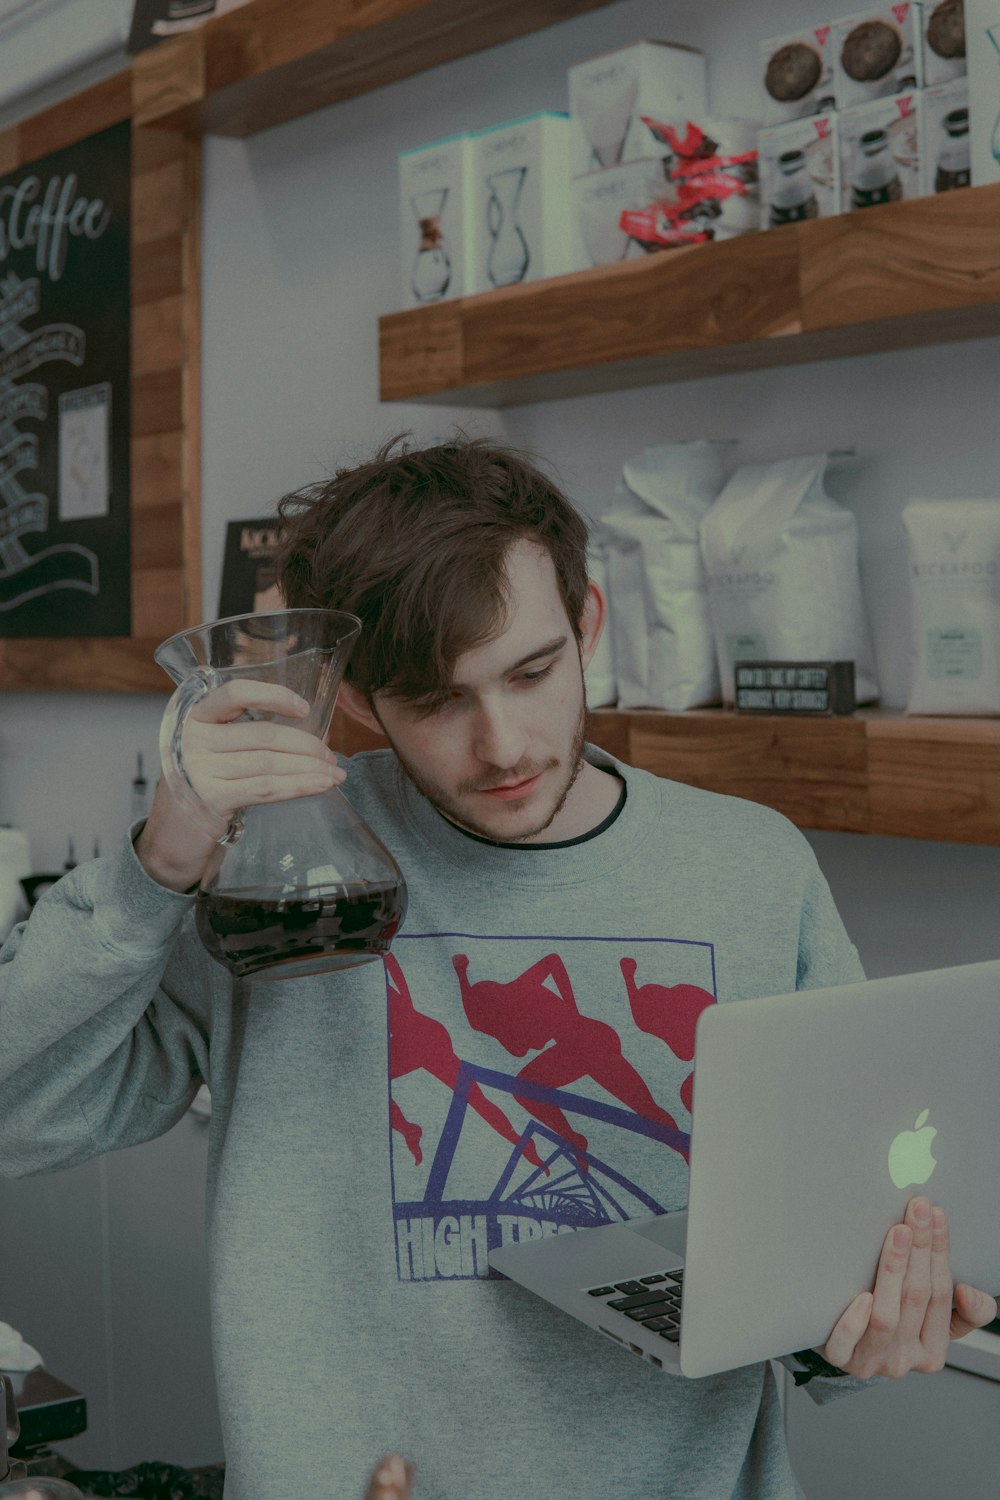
873	772
920	272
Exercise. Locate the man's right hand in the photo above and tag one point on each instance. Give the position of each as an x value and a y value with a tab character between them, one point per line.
390	1480
233	763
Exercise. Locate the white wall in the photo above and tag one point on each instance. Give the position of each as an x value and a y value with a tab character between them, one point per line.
300	258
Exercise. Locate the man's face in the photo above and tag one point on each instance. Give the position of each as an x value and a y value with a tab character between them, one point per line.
500	754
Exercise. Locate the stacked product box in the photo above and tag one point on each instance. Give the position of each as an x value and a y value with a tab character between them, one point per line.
798	75
615	158
877	53
880	155
799	165
436	233
521	227
945	150
887	91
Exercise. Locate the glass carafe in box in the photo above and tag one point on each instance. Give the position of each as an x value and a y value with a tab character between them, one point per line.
296	887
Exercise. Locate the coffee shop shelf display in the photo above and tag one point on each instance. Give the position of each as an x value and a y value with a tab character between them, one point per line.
762	300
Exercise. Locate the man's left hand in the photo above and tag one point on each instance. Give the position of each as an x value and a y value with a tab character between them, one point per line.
907	1322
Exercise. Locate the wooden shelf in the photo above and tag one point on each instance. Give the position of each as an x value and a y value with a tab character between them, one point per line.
276	60
873	772
925	271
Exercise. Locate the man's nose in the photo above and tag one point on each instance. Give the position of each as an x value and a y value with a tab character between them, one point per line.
501	738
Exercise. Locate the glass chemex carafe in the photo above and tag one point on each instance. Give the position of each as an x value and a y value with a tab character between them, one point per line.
432	268
296	887
508	255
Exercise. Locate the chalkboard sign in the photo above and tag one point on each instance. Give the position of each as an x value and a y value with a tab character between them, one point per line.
64	391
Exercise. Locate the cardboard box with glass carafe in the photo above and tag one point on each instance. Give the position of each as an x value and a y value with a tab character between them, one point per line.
897	101
543	195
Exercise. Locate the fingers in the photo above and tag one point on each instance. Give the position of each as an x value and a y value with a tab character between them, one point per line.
876	1348
915	1302
937	1321
390	1480
972	1309
233	698
851	1328
242	763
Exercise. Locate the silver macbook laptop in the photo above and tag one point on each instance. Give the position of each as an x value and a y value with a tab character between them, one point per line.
817	1116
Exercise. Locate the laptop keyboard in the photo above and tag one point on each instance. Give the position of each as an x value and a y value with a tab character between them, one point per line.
653	1301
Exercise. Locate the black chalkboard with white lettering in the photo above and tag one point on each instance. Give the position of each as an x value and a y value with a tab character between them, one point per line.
64	391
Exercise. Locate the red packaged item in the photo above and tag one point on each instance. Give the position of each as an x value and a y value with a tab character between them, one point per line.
661	226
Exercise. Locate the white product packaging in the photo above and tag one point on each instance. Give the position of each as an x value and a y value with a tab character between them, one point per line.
798	75
878	52
522	229
781	562
954	566
609	94
599	677
946	157
943	29
880	152
15	866
435	223
982	44
599	198
799	166
662	638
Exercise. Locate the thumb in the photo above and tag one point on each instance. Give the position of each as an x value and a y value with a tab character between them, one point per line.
972	1309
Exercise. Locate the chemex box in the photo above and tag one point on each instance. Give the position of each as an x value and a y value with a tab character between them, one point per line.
982	32
608	96
435	231
522	227
598	200
878	53
798	75
944	41
946	155
880	152
799	166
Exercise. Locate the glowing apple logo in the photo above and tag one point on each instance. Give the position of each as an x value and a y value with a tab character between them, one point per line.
910	1159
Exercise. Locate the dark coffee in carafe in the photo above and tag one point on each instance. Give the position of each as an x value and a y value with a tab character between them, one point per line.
266	938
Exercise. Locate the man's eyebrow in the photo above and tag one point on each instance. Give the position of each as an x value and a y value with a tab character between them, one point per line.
549	649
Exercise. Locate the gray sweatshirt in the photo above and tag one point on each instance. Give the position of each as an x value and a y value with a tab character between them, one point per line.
520	1065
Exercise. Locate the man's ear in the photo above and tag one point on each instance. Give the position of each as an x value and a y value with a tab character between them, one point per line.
592	621
356	706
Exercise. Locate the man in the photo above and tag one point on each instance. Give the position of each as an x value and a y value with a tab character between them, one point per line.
375	1131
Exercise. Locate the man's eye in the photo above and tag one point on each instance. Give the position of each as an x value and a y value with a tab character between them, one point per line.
537	676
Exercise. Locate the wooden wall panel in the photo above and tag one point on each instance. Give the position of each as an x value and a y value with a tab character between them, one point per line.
165	398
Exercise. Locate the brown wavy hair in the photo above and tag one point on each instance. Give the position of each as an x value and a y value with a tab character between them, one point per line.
414	542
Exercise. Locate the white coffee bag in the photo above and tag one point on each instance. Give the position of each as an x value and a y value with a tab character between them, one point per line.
954	558
781	560
599	678
662	639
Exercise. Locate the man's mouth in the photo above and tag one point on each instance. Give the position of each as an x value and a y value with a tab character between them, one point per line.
510	791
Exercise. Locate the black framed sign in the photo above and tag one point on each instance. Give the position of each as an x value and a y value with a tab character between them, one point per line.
64	391
248	580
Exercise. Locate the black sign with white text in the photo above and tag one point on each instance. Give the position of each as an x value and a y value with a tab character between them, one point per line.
64	391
